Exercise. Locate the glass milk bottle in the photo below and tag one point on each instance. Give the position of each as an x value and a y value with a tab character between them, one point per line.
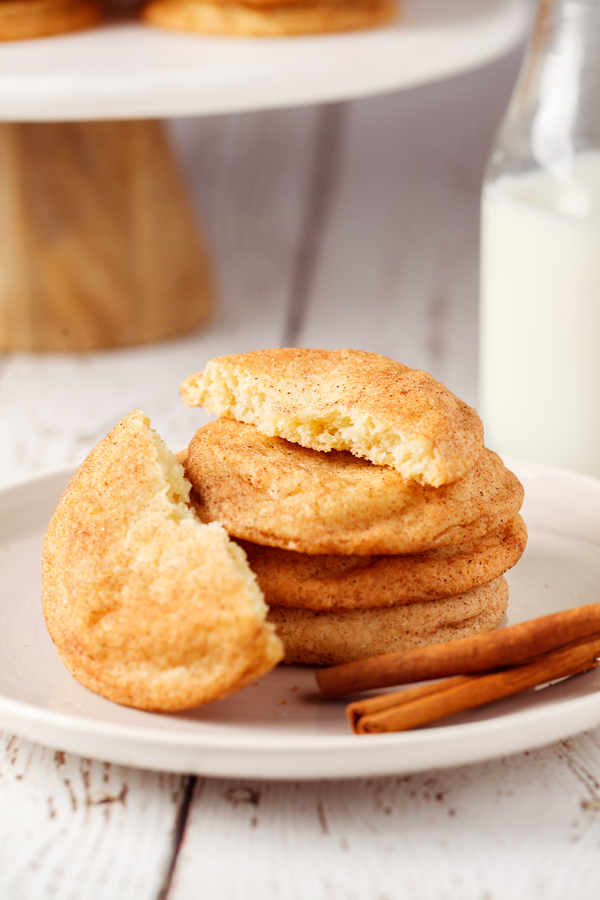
540	250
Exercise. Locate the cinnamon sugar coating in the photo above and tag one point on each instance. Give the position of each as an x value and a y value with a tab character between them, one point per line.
365	582
146	605
333	638
269	491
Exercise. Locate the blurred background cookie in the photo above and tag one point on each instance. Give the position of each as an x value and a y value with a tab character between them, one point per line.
269	19
23	19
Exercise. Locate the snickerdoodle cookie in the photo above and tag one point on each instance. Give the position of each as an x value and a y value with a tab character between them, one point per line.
265	19
23	19
364	403
145	604
366	582
269	491
332	638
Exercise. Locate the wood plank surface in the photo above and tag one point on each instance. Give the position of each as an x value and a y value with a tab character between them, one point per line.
74	828
525	828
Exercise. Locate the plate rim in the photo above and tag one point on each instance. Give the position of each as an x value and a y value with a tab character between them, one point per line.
292	742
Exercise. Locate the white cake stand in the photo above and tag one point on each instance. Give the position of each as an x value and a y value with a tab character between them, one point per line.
88	262
137	71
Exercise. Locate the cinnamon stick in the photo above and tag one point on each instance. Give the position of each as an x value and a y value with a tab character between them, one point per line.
355	711
420	706
505	647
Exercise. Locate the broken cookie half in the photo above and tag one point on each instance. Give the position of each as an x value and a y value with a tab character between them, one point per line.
364	403
147	605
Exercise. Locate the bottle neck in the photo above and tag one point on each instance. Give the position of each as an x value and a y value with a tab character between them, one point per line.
554	114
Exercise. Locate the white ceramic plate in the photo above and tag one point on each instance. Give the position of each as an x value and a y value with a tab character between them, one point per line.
279	728
136	71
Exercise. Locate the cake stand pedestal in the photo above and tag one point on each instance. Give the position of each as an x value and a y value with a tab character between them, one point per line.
99	248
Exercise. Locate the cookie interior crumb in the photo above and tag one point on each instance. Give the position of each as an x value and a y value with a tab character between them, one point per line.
235	394
177	494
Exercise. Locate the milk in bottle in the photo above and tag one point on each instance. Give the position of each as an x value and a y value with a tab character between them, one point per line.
540	251
540	315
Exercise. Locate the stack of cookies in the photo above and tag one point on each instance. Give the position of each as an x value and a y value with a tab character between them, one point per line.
371	515
369	509
269	18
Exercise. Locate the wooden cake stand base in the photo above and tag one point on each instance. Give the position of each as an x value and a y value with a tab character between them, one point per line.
98	244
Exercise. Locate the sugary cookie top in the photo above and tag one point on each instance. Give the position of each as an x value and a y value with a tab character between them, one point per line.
369	405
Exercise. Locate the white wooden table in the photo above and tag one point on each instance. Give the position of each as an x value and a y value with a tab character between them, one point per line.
349	225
